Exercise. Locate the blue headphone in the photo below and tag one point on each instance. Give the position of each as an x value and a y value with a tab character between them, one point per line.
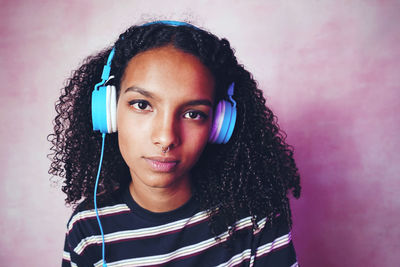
104	103
104	116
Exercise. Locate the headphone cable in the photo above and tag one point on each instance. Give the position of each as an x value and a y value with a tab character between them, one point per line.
95	201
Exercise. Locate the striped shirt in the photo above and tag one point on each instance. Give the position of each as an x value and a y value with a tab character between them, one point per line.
182	237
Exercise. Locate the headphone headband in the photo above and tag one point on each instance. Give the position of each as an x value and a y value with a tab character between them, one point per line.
171	23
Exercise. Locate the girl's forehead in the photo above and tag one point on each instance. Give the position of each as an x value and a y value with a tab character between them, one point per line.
168	68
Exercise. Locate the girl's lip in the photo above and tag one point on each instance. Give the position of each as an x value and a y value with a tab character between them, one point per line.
160	164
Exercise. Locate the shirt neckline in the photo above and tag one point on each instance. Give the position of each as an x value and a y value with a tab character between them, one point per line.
184	211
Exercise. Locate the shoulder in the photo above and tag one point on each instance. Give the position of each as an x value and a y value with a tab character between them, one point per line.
83	224
278	227
85	210
273	244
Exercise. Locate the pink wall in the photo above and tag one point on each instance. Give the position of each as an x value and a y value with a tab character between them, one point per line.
330	71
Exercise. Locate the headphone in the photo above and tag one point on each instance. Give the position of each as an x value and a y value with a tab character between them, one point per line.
104	102
104	116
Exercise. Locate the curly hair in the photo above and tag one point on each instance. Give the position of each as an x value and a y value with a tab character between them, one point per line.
253	173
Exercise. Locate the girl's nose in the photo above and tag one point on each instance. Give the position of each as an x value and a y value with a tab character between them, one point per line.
165	132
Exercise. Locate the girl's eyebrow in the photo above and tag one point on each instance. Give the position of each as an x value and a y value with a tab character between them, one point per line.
197	102
140	91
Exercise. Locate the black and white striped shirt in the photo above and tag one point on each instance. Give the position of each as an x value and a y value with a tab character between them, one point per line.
137	237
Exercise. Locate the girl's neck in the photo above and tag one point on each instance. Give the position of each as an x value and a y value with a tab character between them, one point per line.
161	199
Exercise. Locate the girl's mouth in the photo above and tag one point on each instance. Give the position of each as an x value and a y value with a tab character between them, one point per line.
159	164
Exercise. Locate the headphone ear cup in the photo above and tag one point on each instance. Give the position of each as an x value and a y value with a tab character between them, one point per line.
217	122
231	124
112	109
104	109
99	109
224	123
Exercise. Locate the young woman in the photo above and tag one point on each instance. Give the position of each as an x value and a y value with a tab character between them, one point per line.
171	190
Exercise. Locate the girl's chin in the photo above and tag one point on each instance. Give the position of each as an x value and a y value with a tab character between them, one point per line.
166	180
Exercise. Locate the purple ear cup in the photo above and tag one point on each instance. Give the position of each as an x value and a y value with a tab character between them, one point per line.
217	123
224	120
231	126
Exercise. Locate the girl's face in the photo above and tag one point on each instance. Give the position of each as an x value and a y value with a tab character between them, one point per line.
166	100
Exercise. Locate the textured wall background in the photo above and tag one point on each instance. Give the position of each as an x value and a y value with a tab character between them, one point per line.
329	69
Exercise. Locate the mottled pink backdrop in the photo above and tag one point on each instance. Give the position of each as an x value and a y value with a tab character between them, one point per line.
329	69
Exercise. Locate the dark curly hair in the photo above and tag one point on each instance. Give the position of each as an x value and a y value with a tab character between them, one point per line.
253	173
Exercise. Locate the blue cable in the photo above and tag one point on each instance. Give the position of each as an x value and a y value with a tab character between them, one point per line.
95	201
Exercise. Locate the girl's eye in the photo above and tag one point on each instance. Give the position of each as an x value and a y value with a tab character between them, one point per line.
195	115
140	105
